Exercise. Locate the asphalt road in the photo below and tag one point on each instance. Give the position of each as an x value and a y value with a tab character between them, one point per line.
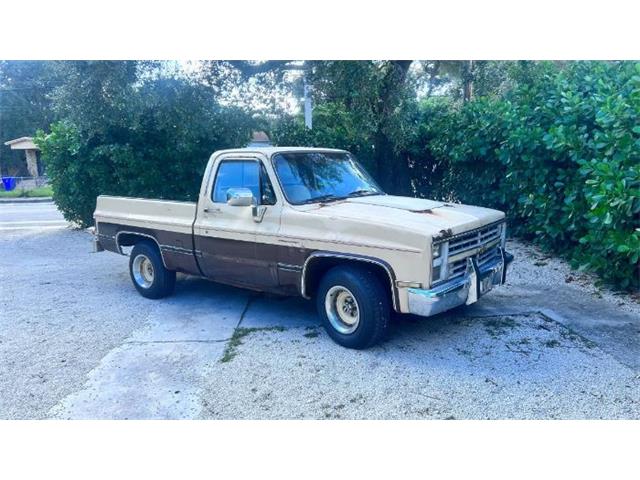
77	341
24	216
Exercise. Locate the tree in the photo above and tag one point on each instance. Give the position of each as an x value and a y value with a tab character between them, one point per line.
25	106
373	102
392	163
264	89
128	133
98	97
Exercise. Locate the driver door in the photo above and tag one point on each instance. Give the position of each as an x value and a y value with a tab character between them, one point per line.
225	235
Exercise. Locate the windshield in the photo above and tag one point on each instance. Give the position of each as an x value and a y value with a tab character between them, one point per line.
308	177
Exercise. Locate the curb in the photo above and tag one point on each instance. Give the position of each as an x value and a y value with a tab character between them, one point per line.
26	200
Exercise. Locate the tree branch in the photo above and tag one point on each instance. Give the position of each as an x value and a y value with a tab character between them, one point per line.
250	69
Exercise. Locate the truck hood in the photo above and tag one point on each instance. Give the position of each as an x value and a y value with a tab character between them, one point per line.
406	213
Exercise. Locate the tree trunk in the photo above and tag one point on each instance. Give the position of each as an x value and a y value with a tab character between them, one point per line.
392	169
467	79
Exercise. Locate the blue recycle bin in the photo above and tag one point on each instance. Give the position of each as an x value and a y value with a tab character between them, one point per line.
9	183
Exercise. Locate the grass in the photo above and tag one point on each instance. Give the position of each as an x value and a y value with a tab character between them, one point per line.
311	333
33	193
231	349
498	326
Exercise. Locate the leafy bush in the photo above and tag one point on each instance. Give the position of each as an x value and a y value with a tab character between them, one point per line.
333	127
560	154
154	145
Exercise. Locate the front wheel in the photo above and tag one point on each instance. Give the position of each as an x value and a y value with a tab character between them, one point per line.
354	306
148	274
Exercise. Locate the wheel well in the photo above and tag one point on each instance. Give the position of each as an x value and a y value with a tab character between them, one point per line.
317	267
128	239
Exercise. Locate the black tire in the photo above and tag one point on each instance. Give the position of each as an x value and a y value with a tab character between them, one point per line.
372	304
157	284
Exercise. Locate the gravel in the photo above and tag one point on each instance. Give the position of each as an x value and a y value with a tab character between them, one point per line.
77	341
518	367
462	365
59	317
534	267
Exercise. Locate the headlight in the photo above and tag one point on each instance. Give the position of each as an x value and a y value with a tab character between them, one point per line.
439	257
435	275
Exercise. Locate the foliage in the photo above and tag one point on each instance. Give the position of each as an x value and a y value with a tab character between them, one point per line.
362	105
265	87
431	172
561	155
124	137
333	127
554	144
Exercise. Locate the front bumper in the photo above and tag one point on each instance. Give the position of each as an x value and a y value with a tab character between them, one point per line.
476	281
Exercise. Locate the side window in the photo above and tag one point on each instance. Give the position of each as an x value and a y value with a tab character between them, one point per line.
236	174
243	173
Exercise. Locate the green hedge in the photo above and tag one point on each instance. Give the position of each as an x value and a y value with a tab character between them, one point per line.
157	149
560	154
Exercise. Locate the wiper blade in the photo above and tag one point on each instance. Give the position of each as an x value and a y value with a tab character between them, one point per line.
331	197
324	198
361	192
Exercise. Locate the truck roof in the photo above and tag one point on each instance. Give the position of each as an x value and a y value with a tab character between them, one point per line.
268	151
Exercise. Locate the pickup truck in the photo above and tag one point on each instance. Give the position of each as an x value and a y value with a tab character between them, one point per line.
311	222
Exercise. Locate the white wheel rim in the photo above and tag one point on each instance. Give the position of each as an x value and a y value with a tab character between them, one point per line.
342	309
143	272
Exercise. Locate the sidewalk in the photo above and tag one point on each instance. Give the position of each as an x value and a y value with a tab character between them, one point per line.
26	200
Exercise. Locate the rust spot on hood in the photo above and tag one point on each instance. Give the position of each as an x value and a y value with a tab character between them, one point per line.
428	210
326	204
443	234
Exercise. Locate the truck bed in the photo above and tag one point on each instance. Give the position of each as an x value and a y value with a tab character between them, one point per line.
168	215
168	223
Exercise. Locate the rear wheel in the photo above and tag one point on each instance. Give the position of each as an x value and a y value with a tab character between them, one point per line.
148	274
354	306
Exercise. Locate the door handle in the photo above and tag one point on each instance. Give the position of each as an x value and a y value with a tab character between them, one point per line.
211	210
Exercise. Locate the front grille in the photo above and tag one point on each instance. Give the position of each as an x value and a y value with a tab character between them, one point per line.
473	239
458	267
468	242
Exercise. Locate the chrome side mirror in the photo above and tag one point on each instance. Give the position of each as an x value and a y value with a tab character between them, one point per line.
240	197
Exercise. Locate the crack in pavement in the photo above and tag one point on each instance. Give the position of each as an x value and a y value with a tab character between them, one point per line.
148	342
250	299
510	314
159	371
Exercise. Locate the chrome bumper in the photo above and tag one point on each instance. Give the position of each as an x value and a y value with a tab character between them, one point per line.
476	281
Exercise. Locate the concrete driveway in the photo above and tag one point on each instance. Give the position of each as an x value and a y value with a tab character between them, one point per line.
77	341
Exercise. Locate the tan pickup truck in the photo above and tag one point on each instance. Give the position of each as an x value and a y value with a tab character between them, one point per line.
311	222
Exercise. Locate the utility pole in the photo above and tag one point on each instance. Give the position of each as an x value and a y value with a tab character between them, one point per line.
308	109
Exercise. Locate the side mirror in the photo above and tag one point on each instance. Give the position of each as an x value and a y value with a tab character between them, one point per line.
240	197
